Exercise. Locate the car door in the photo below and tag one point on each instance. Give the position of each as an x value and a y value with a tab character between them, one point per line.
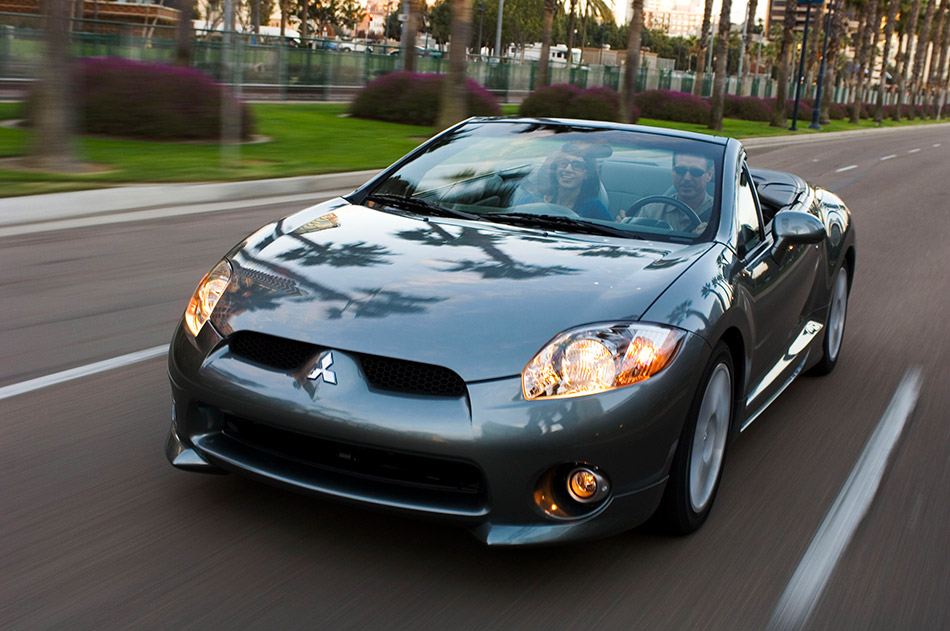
779	285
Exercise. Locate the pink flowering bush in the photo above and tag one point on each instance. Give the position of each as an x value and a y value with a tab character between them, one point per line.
670	105
133	99
750	108
413	98
564	100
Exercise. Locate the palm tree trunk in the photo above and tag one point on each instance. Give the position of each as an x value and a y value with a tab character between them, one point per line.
703	45
814	44
51	147
632	66
454	107
185	33
941	91
838	22
570	32
907	59
920	58
935	69
892	7
785	59
863	46
409	37
875	37
722	54
750	19
550	6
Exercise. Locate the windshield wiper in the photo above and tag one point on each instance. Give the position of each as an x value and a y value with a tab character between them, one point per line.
420	206
559	221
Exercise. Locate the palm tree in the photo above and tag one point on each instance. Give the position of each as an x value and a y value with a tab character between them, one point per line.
920	56
879	6
571	21
719	83
862	52
785	60
941	91
910	28
632	66
409	43
51	147
747	35
839	21
185	33
550	7
453	107
703	45
892	7
814	43
938	45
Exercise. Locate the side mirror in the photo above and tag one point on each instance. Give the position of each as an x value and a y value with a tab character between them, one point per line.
791	227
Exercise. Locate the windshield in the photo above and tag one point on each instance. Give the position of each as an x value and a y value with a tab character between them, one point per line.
559	177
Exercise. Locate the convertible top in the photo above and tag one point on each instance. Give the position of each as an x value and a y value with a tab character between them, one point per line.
777	188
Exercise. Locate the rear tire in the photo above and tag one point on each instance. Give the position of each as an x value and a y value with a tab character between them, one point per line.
834	326
700	455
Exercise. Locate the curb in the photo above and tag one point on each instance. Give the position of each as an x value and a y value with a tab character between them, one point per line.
55	206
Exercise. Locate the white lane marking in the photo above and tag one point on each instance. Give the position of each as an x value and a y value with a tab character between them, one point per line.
888	157
807	583
913	151
936	144
848	168
82	371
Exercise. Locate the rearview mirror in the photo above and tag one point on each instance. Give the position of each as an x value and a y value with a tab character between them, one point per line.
791	227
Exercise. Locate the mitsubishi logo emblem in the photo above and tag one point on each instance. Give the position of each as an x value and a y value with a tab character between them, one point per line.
323	369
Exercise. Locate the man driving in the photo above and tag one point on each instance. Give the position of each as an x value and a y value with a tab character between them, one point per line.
691	174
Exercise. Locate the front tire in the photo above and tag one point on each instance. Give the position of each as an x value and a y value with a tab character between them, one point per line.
698	463
834	327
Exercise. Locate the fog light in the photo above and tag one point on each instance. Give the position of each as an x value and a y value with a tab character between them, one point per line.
585	485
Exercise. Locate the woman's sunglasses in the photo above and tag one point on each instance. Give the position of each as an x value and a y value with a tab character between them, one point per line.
694	171
577	165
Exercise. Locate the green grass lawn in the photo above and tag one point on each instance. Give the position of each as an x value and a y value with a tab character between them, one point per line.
298	139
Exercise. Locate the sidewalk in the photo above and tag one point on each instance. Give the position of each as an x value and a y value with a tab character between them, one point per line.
32	209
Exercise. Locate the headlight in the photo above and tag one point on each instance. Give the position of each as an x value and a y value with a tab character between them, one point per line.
206	296
599	358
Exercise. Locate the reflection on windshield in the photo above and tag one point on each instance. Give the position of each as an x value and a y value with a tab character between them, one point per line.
645	184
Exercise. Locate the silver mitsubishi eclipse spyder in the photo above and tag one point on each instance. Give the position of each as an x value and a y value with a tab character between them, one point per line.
546	330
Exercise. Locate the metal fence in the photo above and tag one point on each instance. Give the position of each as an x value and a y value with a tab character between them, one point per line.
269	67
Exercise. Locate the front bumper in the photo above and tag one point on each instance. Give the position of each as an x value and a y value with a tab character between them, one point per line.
478	458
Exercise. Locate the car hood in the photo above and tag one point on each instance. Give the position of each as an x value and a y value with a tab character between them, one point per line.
478	298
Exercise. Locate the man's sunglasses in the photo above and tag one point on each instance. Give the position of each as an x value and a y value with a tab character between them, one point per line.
696	172
576	164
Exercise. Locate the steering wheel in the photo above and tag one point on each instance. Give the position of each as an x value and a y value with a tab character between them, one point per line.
687	212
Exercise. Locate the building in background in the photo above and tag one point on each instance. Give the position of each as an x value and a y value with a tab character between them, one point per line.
676	18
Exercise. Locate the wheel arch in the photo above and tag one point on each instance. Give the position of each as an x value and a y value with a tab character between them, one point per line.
849	259
734	341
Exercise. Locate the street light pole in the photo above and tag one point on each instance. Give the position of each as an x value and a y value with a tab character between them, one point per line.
481	19
801	66
501	10
816	114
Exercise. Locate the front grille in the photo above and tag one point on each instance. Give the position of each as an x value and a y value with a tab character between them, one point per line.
394	374
272	351
383	373
424	473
